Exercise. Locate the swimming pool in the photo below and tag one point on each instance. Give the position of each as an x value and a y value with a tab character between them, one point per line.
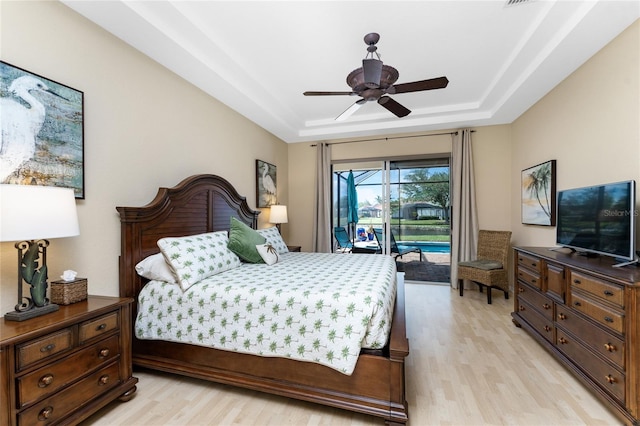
429	246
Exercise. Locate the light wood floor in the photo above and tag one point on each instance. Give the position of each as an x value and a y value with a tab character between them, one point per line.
469	365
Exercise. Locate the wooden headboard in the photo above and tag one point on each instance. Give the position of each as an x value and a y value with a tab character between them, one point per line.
198	204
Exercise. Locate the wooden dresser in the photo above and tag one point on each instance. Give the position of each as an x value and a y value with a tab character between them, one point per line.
586	313
62	367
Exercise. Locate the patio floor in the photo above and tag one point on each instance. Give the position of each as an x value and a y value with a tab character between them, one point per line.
435	267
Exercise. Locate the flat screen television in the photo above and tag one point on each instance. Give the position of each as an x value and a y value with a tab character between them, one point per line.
598	219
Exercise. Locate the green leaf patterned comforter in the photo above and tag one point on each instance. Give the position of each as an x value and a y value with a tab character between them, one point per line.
315	307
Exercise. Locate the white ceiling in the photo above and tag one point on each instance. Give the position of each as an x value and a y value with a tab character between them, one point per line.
258	57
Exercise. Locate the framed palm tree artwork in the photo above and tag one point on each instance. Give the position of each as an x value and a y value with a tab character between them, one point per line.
539	194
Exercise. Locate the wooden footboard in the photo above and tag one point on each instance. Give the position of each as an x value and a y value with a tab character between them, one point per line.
204	203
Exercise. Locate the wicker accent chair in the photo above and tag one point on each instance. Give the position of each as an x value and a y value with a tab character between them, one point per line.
490	268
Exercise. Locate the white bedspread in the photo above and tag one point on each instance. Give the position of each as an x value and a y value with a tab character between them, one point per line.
314	307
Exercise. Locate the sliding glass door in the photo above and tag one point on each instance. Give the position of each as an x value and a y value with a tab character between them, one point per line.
410	197
420	210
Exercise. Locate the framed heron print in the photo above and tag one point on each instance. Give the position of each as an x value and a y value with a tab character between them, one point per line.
538	187
42	131
265	184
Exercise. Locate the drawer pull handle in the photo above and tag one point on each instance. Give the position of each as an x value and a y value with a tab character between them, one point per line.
521	289
533	280
610	379
104	353
608	293
609	347
522	308
45	381
608	319
101	327
562	316
546	306
563	341
547	328
103	380
47	348
45	413
576	281
577	304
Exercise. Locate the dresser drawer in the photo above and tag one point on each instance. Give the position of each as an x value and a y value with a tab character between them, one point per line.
98	327
49	379
608	377
530	262
542	325
605	344
604	315
543	304
43	347
529	277
56	407
601	289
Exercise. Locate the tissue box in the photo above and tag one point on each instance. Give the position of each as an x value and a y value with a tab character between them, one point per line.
68	292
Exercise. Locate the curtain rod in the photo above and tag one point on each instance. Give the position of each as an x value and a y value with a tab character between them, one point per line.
395	137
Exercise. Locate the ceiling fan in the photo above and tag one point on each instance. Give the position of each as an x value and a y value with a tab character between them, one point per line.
374	81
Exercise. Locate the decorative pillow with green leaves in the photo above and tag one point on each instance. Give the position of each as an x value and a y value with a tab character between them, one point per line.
196	257
243	240
275	239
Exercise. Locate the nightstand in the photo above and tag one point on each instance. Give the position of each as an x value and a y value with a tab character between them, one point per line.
64	366
294	248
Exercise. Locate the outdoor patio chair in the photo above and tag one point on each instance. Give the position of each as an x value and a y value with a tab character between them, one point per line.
397	250
490	268
343	242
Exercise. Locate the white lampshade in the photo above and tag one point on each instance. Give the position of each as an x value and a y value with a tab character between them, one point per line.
278	214
31	212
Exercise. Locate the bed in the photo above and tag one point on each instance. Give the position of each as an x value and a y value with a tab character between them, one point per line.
205	204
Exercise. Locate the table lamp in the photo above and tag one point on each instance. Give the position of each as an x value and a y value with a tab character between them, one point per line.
30	214
278	215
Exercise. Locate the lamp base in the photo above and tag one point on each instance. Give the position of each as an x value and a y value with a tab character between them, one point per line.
31	313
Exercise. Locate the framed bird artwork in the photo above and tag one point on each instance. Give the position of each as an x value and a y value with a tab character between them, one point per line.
42	141
265	184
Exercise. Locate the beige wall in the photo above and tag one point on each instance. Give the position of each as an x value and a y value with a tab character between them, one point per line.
492	156
144	128
590	124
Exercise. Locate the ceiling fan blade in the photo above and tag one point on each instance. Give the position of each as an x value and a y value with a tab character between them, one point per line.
417	86
349	111
394	106
327	93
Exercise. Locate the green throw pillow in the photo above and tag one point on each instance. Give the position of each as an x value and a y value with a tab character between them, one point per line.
243	241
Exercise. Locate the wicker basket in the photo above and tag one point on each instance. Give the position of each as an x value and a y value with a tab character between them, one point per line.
67	292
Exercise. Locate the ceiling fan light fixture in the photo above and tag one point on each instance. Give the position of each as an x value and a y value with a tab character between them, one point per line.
357	81
372	72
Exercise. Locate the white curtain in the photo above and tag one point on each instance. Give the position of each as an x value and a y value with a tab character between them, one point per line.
464	214
322	235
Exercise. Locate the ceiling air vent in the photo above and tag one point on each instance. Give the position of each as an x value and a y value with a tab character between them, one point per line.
516	2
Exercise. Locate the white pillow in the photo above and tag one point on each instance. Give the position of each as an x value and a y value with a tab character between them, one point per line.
268	253
154	267
275	239
196	257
